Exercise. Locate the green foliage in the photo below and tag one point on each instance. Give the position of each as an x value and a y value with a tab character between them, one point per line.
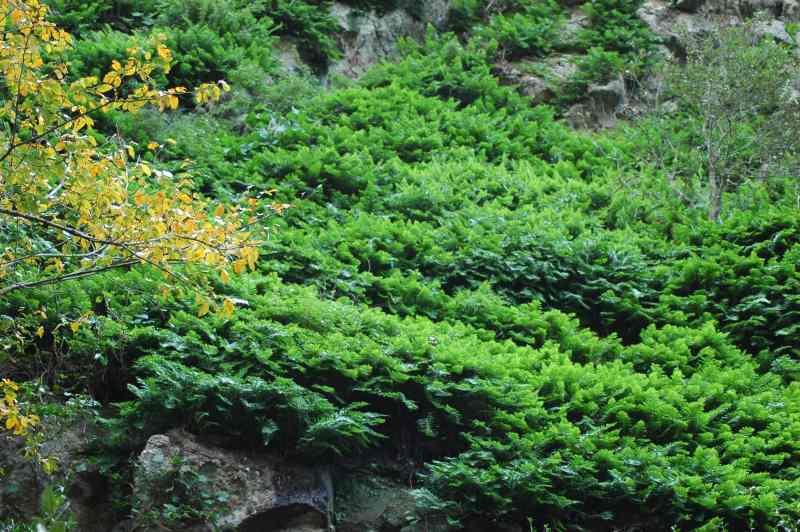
250	409
681	423
179	496
77	16
54	514
734	110
466	78
614	26
596	66
312	24
82	16
205	50
534	31
93	54
533	316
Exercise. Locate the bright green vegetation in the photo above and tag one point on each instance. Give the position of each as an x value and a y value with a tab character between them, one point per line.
530	314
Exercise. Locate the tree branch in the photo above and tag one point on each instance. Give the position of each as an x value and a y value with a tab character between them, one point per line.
67	277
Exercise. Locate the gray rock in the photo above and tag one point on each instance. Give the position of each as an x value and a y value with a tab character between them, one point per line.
534	87
773	29
65	441
608	97
263	491
432	12
602	108
366	503
288	55
689	6
791	11
576	22
562	67
674	27
369	38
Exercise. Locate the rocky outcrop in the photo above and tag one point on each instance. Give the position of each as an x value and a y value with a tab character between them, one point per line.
261	492
783	9
673	23
287	52
369	37
65	442
531	85
264	492
367	503
604	104
433	12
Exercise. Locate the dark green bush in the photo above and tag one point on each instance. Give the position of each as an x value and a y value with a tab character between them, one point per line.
681	426
531	32
615	26
530	316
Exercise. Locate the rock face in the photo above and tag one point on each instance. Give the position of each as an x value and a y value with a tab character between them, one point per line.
432	12
24	481
366	503
369	37
786	9
774	29
672	21
262	492
288	55
604	103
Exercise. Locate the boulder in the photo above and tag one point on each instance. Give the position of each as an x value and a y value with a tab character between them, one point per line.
608	97
368	503
773	29
432	12
603	105
288	55
791	11
674	27
534	87
261	492
368	38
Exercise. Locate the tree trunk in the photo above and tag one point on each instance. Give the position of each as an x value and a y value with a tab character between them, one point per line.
715	193
714	183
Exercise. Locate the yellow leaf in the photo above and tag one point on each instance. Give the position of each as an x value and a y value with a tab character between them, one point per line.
146	170
75	325
239	266
11	422
227	308
219	211
131	152
40	331
152	146
203	310
164	52
226	278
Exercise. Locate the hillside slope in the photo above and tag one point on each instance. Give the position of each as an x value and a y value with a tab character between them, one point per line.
511	323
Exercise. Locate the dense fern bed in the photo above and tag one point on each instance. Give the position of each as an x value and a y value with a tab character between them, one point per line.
529	315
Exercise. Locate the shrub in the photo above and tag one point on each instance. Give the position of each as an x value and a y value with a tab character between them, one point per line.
615	26
531	32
